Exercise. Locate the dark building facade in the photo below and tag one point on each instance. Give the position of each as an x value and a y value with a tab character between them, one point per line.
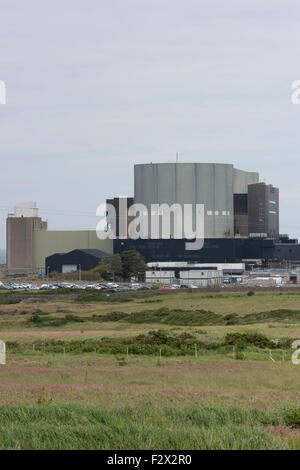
230	250
118	222
287	252
75	260
240	205
263	209
218	250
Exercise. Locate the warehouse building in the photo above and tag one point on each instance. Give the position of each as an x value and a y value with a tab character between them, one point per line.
63	241
76	260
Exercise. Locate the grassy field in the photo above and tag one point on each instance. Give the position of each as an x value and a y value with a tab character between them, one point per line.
86	371
77	427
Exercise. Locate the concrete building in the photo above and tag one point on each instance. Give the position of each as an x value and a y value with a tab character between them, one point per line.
186	277
263	210
20	227
178	266
201	278
161	276
29	243
211	184
64	241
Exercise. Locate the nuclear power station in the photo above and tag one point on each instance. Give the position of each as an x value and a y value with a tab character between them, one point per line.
240	221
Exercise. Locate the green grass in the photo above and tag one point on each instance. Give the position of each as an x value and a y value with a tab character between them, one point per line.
77	427
63	385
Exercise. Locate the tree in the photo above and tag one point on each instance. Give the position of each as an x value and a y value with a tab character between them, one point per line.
110	267
133	264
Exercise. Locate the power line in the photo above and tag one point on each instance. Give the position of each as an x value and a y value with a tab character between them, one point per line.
62	212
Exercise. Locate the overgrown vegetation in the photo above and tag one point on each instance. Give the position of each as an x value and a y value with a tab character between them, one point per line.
200	317
9	300
242	340
49	426
150	344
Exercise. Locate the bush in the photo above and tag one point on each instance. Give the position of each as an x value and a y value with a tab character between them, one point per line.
239	356
292	418
121	360
7	300
242	340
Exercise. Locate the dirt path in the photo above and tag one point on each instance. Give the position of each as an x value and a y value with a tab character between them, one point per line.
53	333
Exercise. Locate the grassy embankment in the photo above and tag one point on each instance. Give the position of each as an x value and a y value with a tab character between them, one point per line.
215	352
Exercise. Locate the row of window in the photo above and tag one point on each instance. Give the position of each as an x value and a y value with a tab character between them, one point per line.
218	212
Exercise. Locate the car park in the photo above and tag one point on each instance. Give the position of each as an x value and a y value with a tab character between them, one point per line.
79	285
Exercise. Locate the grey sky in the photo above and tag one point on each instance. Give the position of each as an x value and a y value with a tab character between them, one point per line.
95	86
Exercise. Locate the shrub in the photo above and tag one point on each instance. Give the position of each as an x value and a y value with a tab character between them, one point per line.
241	340
292	418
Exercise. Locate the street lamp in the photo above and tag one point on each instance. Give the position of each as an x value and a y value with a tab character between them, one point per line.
48	271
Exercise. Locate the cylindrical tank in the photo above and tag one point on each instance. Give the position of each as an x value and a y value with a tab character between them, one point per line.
211	184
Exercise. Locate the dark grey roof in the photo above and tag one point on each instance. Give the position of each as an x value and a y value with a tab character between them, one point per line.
92	251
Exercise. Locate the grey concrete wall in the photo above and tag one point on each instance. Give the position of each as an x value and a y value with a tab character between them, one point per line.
196	183
241	180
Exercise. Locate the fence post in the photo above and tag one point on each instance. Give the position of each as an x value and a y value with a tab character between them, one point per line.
270	356
2	353
196	351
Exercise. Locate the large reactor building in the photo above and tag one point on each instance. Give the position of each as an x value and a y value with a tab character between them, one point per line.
226	193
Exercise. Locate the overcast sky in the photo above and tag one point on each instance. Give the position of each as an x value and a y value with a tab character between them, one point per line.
95	86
